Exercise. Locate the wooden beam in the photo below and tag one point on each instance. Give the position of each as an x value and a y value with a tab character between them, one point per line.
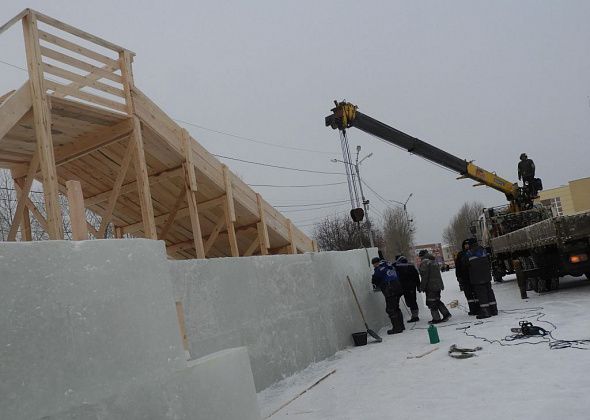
214	234
181	324
106	218
191	198
77	211
229	193
314	245
143	183
24	192
265	241
253	247
126	65
231	231
36	213
42	119
14	108
26	233
15	19
260	237
292	246
189	167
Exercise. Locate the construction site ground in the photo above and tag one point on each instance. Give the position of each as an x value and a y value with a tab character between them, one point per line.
514	380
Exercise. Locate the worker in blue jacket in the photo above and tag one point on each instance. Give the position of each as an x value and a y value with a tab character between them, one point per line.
480	277
386	279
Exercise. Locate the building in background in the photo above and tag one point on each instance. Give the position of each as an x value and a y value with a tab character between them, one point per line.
434	249
568	199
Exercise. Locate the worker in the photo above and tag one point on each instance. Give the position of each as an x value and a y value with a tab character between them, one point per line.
480	278
526	169
386	279
462	274
520	278
432	285
410	280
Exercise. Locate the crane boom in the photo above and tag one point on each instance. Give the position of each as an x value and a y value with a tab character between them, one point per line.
346	115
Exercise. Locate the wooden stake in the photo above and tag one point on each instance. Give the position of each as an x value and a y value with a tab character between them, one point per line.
181	324
261	241
292	247
191	198
42	120
26	233
262	230
77	211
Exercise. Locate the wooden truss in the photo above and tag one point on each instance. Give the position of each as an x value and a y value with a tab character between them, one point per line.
82	128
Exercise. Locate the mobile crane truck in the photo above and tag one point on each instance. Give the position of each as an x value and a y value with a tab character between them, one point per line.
547	247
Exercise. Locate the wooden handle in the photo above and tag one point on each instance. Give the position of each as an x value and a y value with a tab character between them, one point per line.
356	300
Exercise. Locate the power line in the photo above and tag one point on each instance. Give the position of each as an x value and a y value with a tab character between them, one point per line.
314	208
13	65
300	149
385	201
297	186
313	204
278	166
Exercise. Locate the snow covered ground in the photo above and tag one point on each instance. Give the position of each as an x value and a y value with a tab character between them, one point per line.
513	381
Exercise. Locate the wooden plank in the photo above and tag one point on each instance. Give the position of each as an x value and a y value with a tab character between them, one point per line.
9	93
292	246
233	242
229	193
78	32
26	233
77	211
143	183
189	170
191	198
172	215
14	108
215	233
126	65
12	21
315	246
82	81
78	49
36	213
262	216
253	247
181	324
85	96
116	189
106	72
260	237
42	121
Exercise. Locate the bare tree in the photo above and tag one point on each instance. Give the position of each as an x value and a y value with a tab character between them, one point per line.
458	229
340	233
398	233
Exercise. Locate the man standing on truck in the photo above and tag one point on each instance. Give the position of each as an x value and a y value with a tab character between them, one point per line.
462	274
480	277
410	279
526	169
386	279
432	285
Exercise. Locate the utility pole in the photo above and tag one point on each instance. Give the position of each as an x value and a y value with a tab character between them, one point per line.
365	201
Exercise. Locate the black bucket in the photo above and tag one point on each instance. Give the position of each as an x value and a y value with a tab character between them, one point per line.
360	338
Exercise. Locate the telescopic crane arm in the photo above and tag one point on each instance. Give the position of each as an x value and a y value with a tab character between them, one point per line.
346	115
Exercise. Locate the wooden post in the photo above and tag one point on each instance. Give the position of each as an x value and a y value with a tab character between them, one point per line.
42	121
143	183
292	246
26	233
77	211
125	62
181	324
230	213
314	246
261	227
190	182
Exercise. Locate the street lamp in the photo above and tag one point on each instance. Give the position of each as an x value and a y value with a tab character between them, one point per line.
365	201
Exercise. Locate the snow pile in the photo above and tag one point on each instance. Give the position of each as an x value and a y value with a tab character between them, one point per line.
506	379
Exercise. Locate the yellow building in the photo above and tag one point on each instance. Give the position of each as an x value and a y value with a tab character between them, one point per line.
568	199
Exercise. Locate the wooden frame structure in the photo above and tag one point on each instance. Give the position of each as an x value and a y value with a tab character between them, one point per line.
81	127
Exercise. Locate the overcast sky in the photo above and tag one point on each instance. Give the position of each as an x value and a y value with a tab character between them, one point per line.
484	80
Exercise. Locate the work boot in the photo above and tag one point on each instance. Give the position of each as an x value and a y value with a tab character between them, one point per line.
484	312
413	319
435	317
446	317
435	321
523	294
493	309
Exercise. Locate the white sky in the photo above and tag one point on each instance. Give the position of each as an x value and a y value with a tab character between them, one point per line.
483	80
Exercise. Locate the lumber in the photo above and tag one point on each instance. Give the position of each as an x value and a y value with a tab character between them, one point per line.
77	211
14	108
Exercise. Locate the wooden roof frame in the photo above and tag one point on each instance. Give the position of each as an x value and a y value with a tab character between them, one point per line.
93	135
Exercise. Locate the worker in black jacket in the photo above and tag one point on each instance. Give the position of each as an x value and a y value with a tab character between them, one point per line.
386	279
526	169
462	274
480	277
410	279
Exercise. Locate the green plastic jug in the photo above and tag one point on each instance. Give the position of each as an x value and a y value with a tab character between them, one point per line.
433	334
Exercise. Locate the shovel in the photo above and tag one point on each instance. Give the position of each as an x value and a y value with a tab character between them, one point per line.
369	331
